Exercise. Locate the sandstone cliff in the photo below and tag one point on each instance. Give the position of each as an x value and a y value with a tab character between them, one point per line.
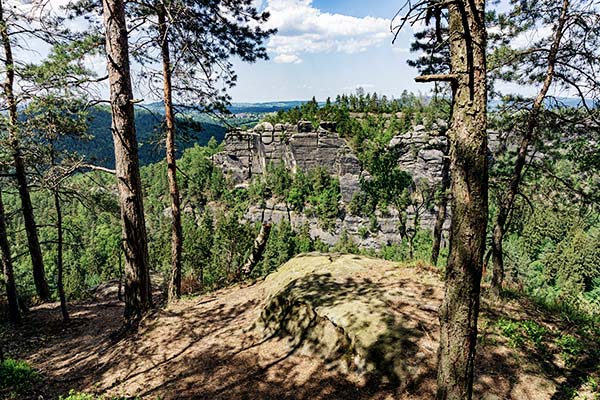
302	147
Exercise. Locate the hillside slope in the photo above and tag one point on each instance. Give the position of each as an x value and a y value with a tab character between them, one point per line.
259	341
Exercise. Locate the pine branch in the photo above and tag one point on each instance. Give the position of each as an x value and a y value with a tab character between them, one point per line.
437	78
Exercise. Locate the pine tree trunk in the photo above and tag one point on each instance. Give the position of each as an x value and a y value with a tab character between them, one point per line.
442	211
469	175
35	251
14	314
59	257
176	234
138	296
508	202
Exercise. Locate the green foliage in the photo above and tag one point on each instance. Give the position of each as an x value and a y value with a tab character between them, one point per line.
278	180
346	244
282	245
522	333
16	377
316	192
299	191
74	395
401	251
570	348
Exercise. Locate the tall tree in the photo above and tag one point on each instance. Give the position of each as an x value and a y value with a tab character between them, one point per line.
138	295
565	58
469	175
174	291
35	251
14	315
216	30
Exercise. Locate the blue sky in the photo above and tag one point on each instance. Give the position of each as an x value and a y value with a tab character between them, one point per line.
328	47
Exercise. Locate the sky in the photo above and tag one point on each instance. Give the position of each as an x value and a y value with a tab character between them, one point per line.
322	48
328	47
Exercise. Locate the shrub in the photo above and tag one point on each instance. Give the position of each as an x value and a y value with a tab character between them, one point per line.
521	333
16	377
570	348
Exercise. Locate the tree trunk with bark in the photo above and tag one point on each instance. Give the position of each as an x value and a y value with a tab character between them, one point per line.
138	295
33	242
59	257
14	315
508	201
442	211
174	291
469	190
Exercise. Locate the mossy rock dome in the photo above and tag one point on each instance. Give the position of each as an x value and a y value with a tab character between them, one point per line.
360	313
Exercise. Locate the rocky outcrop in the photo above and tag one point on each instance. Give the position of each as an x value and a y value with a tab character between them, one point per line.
303	147
352	312
421	153
248	153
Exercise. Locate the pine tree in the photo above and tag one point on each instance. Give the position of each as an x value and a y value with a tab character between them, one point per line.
559	59
138	294
14	142
468	168
216	30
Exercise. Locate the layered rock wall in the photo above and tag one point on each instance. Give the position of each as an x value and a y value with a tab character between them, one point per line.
298	147
302	147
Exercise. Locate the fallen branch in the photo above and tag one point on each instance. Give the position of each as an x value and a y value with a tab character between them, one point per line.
259	247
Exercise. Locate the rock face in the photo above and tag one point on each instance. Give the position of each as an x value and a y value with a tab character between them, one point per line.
303	147
421	153
248	153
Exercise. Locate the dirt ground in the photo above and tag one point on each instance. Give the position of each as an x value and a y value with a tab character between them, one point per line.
208	347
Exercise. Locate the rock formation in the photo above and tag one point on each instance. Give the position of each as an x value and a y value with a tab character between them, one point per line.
303	147
247	153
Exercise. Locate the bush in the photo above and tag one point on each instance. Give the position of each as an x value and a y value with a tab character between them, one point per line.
16	377
520	333
570	348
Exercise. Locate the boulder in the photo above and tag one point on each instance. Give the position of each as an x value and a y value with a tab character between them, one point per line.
353	311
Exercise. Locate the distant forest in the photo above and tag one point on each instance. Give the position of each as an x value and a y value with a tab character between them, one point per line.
98	148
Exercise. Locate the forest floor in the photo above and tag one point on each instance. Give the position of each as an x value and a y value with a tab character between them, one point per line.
209	347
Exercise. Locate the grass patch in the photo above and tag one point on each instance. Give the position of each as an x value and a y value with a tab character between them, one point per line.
74	395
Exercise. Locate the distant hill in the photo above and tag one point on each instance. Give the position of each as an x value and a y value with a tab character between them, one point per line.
99	150
253	108
148	117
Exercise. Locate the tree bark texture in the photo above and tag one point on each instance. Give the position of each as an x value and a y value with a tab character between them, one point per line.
469	190
507	203
14	315
59	257
33	242
138	296
176	230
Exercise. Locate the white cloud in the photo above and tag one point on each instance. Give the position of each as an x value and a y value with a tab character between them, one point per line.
287	59
303	29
